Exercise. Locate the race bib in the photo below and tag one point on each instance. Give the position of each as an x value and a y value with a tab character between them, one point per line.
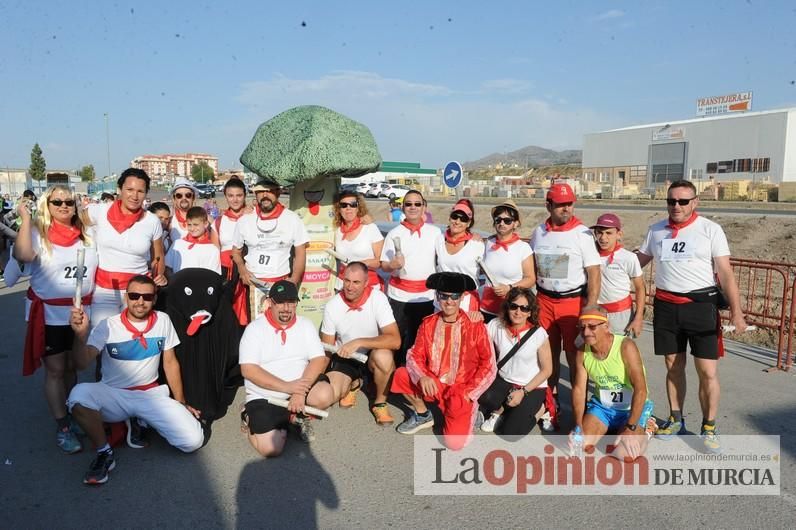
676	250
619	399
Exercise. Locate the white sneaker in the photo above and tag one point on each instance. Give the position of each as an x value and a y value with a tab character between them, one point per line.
490	424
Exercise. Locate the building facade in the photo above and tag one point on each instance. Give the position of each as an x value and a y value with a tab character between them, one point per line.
173	165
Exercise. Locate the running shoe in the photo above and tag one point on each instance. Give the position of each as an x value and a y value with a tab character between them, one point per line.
491	423
546	423
349	400
306	429
416	422
98	472
381	414
75	427
136	434
671	428
710	439
68	442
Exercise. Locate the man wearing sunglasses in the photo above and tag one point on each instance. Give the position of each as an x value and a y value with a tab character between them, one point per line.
452	363
567	279
686	249
131	345
183	195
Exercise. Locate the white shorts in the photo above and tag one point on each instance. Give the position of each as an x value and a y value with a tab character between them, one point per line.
170	418
619	321
106	303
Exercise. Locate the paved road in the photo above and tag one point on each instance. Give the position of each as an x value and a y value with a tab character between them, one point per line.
356	475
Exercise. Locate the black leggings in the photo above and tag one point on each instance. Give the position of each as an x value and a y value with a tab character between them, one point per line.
518	420
408	316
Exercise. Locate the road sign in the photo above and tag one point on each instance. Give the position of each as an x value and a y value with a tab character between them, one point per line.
452	174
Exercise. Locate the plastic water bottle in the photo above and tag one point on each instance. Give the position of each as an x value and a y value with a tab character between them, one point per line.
646	413
577	443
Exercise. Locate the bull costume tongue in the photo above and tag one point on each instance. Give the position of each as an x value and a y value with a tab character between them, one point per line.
197	319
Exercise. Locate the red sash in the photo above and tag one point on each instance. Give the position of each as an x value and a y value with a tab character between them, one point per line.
148	386
34	336
410	286
490	302
672	298
113	280
619	305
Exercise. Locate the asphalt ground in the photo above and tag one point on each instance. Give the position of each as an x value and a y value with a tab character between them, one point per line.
356	474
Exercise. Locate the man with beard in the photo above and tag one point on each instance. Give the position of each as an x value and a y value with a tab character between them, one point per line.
183	195
269	234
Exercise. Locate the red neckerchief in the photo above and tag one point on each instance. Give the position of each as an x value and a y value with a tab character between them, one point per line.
356	223
515	333
609	253
180	217
466	236
232	215
62	235
201	240
357	305
121	221
505	244
276	212
139	335
676	227
279	327
569	225
413	228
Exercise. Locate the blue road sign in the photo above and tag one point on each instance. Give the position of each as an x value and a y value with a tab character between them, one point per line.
452	174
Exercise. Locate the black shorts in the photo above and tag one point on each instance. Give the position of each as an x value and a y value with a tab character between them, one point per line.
694	324
57	339
353	369
263	417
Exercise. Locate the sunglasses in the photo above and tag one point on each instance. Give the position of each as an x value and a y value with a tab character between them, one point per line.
681	202
504	220
148	297
523	308
186	195
354	204
58	202
415	204
459	216
449	296
590	327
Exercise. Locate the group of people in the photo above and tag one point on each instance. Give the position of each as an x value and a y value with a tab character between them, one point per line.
409	316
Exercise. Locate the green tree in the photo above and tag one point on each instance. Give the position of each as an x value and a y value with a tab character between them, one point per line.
202	172
87	172
38	166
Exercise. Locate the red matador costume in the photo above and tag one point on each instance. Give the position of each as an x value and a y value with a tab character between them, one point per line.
460	358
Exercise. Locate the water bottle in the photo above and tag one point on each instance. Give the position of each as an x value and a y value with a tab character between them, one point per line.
577	443
646	414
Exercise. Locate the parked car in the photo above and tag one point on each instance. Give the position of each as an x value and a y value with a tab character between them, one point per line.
362	188
373	190
206	191
394	191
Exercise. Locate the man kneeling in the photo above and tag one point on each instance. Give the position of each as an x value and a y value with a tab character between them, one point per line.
281	357
452	363
619	403
131	344
362	319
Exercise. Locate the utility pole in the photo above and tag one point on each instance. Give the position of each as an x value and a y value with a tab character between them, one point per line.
108	143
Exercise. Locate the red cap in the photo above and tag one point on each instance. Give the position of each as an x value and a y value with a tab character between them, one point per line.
608	220
560	193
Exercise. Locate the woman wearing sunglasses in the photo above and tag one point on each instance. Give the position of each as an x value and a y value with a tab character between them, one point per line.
524	364
459	252
50	243
508	259
354	239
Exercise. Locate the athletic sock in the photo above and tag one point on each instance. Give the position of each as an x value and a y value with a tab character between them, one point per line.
63	423
105	448
708	423
677	415
425	414
381	405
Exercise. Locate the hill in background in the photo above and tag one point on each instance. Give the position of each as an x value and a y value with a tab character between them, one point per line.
527	157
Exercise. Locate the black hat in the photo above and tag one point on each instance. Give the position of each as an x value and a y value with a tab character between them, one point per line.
450	282
283	291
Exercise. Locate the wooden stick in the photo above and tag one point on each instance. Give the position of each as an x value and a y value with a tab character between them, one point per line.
77	301
487	272
332	348
307	409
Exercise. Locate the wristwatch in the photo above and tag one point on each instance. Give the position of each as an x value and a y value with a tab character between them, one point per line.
631	426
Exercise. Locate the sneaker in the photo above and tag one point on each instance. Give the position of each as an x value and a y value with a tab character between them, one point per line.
490	424
710	439
670	428
382	414
479	420
349	400
100	467
136	434
75	427
68	442
416	422
546	423
306	430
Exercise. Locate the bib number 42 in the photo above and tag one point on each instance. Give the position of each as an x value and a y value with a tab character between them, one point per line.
678	247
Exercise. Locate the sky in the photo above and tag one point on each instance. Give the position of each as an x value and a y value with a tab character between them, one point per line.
433	80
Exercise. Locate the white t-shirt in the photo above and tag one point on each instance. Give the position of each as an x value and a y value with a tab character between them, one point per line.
506	266
524	365
127	252
53	275
464	262
361	248
125	362
226	231
419	256
261	344
685	264
348	324
561	257
176	231
201	256
616	280
269	242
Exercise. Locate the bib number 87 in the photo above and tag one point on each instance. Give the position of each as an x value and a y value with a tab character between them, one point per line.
264	259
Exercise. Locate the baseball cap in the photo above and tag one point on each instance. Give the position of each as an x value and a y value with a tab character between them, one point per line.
283	291
182	182
264	184
608	220
561	193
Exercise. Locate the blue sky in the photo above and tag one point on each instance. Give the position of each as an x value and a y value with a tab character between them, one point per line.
434	81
